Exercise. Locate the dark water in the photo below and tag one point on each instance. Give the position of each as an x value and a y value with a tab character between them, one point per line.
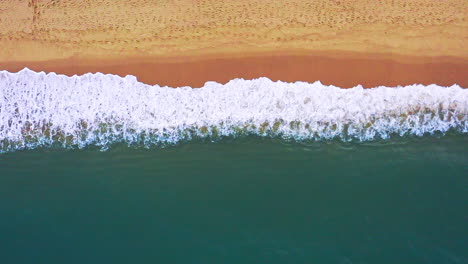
249	200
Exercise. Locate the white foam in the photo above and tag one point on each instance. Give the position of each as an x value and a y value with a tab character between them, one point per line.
38	109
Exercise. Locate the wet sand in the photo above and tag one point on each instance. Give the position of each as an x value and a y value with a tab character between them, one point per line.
347	70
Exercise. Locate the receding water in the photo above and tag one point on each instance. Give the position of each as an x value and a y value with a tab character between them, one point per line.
245	200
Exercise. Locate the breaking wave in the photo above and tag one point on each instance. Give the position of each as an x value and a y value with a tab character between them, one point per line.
46	110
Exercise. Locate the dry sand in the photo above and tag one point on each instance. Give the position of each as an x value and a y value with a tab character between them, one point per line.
188	42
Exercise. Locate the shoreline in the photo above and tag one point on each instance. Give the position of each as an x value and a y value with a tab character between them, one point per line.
342	69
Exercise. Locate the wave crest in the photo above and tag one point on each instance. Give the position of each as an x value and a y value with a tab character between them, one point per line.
38	109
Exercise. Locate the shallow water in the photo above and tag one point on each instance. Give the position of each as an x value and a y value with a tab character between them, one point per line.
245	200
39	110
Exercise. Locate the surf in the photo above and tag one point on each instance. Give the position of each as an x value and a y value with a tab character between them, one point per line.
44	110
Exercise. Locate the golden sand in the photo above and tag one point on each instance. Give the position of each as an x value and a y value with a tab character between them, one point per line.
344	42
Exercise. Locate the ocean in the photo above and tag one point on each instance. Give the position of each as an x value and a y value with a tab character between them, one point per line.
104	169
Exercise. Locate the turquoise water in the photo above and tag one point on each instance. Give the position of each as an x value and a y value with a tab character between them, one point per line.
103	169
245	200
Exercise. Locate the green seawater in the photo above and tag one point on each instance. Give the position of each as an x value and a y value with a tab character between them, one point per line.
248	200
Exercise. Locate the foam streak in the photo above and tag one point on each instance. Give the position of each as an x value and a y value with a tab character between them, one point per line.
38	109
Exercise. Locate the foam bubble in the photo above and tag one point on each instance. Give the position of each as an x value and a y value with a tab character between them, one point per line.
38	109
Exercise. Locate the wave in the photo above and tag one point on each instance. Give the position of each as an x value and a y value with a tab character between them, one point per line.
45	110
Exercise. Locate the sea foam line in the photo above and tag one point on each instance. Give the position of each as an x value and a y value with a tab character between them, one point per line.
38	109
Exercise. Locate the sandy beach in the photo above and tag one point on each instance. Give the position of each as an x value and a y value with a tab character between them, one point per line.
178	43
